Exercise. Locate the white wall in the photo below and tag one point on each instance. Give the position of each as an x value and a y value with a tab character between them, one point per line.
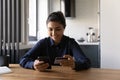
110	30
86	16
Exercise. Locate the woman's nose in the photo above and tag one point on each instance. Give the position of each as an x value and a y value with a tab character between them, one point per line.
53	32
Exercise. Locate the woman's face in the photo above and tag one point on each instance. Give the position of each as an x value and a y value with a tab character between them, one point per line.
55	31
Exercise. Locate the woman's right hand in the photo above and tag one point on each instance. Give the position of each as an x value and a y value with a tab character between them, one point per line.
40	65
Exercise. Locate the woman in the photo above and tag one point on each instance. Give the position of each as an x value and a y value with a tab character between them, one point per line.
56	45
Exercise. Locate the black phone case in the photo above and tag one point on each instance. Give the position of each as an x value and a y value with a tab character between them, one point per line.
45	59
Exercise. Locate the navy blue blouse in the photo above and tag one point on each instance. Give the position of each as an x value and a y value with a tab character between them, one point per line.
46	47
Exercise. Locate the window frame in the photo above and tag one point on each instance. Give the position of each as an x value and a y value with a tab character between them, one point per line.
34	38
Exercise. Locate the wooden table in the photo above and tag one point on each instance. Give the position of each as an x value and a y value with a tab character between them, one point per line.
60	73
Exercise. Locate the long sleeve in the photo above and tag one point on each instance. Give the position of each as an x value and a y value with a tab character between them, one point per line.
81	61
28	59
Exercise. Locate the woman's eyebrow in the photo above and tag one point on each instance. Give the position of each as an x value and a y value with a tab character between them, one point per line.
58	27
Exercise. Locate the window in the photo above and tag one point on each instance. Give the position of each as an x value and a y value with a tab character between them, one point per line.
32	14
33	8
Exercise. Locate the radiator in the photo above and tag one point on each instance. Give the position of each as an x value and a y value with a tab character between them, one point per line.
10	29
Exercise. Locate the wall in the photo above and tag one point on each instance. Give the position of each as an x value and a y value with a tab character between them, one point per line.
110	30
86	16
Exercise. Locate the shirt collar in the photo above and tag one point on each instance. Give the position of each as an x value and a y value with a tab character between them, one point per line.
52	42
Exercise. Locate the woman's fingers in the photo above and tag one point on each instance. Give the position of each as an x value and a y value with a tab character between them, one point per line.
69	62
40	65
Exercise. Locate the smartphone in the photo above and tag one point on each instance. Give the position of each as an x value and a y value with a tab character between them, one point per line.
45	59
59	59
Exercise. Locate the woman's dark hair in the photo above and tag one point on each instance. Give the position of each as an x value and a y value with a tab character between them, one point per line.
57	17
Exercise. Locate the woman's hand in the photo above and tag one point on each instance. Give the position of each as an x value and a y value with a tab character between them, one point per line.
69	62
40	65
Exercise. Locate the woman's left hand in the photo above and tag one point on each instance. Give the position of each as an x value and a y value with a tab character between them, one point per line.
68	62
